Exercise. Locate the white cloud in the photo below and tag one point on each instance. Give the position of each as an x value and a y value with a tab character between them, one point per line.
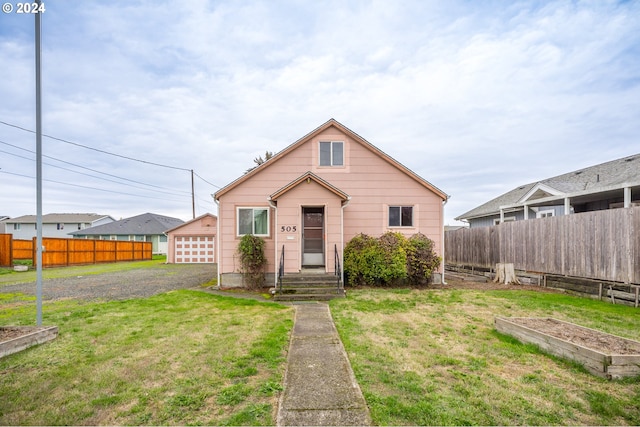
476	97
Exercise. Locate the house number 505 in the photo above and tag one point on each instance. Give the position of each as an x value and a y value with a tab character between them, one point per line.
288	228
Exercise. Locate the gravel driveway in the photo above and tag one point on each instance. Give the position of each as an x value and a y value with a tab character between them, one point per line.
138	283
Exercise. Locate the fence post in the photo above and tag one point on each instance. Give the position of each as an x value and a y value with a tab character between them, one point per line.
33	252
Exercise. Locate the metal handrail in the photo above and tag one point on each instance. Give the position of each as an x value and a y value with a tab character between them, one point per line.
338	270
281	270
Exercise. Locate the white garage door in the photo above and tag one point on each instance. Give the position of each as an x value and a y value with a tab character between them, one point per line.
194	249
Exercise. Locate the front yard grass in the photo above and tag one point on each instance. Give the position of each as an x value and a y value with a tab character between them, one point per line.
421	357
432	357
179	358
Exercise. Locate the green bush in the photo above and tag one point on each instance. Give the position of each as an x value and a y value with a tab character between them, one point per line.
421	259
360	260
252	261
391	259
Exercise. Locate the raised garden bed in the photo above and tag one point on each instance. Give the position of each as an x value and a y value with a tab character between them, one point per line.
602	354
17	338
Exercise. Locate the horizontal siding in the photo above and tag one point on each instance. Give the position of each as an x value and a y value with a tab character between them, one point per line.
370	181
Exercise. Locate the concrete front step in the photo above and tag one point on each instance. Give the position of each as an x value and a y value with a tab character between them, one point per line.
309	286
290	289
308	297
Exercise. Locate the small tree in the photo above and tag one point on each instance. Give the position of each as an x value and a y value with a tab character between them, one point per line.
259	160
252	261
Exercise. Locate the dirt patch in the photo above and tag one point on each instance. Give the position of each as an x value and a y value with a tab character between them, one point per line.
120	285
476	284
8	333
589	338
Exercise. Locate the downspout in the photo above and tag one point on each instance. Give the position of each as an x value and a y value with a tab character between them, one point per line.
275	256
444	202
342	236
218	241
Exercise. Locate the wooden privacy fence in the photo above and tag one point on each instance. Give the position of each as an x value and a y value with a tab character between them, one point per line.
23	249
6	250
601	245
63	252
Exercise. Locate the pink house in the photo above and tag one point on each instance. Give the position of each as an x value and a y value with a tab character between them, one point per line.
194	241
311	198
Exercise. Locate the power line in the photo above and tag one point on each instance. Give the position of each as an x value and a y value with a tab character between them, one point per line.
213	185
108	153
175	193
84	186
82	167
95	149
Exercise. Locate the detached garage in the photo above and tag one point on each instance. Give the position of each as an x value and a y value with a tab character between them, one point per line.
194	241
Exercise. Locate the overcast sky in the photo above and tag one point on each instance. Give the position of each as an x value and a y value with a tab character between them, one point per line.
477	97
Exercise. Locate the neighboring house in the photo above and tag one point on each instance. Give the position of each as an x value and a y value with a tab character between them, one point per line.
315	195
147	227
609	185
53	225
194	241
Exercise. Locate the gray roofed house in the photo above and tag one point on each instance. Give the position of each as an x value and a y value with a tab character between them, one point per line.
53	224
147	227
609	185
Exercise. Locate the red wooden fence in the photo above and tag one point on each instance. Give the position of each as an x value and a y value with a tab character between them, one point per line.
64	252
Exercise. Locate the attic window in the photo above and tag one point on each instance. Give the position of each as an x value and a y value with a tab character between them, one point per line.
331	153
630	159
578	173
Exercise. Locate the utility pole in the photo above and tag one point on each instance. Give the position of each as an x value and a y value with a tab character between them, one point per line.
39	247
193	197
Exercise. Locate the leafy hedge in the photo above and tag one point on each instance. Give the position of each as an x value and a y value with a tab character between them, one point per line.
390	259
252	260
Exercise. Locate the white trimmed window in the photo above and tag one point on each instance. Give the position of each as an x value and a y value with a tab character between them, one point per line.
253	221
545	214
400	216
506	219
331	153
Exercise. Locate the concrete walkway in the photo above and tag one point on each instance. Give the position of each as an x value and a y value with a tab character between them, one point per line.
319	386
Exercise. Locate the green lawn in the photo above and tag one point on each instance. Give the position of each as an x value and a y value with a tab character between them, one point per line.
183	357
421	357
433	358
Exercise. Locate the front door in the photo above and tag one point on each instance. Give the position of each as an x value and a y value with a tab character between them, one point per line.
312	236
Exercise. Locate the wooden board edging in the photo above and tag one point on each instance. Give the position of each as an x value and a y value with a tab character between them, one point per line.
598	363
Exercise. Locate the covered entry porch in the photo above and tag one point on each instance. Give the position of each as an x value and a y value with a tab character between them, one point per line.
309	224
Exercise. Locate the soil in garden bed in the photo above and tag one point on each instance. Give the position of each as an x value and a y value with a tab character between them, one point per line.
595	340
8	333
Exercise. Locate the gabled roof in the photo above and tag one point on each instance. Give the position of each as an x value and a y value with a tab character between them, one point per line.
312	177
592	180
312	134
55	218
145	224
184	224
539	191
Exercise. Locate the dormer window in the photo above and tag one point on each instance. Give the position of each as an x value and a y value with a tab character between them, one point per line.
331	153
